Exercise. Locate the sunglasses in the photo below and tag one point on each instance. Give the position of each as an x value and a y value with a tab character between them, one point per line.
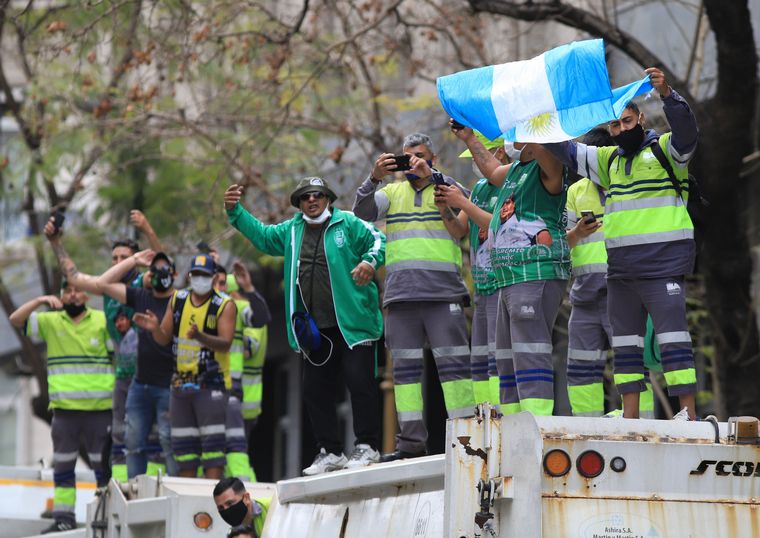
308	195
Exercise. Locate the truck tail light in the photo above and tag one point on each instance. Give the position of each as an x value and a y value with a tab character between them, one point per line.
557	463
590	464
202	521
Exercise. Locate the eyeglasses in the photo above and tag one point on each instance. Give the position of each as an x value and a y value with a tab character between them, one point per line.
307	196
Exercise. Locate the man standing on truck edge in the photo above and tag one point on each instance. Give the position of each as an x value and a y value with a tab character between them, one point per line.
649	239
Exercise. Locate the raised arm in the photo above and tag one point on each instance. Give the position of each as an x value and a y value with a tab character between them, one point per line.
489	166
110	281
552	170
19	316
270	239
371	204
68	268
141	222
682	122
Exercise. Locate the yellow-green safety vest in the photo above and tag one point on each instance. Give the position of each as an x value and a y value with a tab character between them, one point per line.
589	255
79	364
416	237
255	346
236	348
643	207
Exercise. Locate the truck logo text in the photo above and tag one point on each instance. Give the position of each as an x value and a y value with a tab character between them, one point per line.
726	468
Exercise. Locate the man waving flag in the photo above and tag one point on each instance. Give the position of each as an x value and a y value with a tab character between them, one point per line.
559	95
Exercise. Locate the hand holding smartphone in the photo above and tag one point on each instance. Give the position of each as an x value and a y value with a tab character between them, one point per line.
58	218
402	162
588	216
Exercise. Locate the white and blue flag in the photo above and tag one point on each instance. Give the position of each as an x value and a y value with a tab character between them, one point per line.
559	95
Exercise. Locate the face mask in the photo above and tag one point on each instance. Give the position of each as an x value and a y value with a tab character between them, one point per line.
630	140
412	177
235	514
201	284
73	310
161	279
512	152
320	219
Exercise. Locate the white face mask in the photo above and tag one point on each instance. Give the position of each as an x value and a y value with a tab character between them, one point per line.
320	219
512	152
201	284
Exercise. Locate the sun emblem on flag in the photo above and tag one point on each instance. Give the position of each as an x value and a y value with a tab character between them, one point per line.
540	125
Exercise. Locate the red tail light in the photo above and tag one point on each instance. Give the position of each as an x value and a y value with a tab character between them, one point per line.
590	464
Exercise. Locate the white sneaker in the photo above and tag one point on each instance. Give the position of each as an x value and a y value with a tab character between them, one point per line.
682	415
363	455
325	462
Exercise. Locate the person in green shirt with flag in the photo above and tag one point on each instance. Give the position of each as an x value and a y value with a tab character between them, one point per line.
485	376
531	264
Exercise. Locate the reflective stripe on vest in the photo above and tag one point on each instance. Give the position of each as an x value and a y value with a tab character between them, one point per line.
643	207
416	235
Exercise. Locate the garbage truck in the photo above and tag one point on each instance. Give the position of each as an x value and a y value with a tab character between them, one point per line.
501	476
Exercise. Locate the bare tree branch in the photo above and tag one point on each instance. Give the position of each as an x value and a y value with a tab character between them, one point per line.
588	22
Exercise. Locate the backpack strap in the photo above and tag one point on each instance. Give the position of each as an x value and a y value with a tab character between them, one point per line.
178	305
212	314
665	163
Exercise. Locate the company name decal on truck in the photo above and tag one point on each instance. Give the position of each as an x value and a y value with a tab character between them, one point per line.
726	468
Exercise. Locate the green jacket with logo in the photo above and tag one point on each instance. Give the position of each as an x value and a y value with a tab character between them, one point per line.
348	240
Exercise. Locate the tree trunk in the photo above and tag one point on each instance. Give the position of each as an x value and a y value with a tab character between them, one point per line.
725	261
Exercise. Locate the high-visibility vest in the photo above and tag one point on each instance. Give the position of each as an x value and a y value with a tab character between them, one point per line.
643	207
236	349
79	367
589	255
416	237
192	358
255	345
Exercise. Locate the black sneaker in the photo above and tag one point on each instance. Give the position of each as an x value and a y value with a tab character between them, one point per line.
400	455
59	526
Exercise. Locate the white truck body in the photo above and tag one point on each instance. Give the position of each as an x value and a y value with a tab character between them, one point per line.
671	479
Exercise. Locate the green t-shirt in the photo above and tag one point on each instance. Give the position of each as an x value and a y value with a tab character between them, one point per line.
484	195
527	231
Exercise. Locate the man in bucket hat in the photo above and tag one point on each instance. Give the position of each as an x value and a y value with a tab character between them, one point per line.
332	311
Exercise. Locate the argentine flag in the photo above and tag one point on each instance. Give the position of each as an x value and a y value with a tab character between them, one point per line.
559	95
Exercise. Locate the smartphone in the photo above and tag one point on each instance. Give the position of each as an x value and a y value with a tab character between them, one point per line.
402	162
455	125
58	218
588	216
438	179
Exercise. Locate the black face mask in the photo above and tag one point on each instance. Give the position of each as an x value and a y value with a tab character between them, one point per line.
73	310
161	279
630	140
235	514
